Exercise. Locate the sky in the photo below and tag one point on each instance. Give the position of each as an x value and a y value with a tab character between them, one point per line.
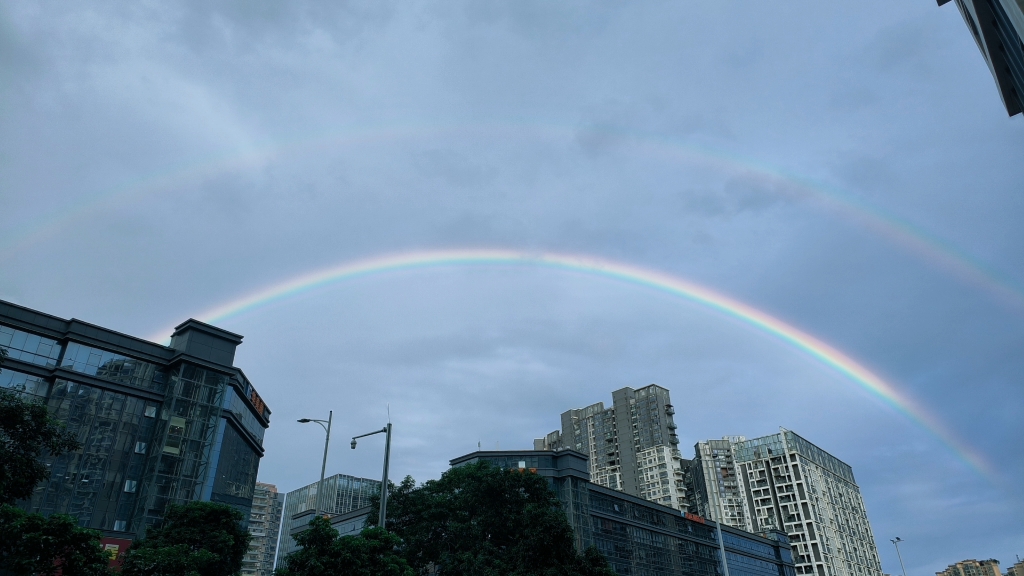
845	168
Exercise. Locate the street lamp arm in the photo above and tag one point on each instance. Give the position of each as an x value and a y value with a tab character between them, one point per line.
381	431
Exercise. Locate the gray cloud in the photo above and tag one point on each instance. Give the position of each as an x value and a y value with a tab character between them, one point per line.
156	160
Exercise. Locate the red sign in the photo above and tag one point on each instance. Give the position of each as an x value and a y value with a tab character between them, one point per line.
693	517
115	547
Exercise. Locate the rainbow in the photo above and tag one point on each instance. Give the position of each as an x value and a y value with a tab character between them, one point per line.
653	279
933	250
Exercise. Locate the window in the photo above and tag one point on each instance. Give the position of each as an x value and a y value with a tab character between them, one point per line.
29	347
120	525
150	411
130	485
140	447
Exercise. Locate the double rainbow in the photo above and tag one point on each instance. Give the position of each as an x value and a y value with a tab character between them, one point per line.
653	279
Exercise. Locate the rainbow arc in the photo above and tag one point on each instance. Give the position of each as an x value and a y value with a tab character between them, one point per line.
853	371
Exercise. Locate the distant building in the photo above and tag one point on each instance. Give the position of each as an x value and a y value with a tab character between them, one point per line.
159	424
264	526
997	27
1017	569
786	483
974	568
632	446
341	494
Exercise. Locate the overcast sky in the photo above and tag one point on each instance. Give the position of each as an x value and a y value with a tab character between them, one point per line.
847	167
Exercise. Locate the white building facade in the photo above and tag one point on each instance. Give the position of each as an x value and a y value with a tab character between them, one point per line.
264	526
784	482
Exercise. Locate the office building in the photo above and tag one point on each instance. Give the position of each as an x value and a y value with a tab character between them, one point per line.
158	424
639	536
632	446
265	527
972	568
789	484
635	535
998	27
341	494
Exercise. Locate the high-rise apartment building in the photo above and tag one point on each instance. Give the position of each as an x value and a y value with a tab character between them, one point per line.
632	446
998	27
341	494
786	483
264	526
717	491
988	567
1017	569
792	485
158	424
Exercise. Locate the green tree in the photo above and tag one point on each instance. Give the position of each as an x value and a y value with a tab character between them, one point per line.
480	520
32	545
195	539
323	553
27	431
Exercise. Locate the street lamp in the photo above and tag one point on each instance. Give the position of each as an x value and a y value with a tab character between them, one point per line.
387	458
323	467
718	524
896	543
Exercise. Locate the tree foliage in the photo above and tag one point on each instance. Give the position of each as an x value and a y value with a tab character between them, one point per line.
31	544
196	539
481	520
323	553
27	432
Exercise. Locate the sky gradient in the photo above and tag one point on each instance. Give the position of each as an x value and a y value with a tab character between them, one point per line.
848	171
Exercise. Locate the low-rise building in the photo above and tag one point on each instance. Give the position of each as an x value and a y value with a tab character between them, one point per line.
639	536
341	494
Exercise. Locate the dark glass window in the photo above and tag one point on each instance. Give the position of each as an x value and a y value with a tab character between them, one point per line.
113	367
31	385
29	347
91	484
236	405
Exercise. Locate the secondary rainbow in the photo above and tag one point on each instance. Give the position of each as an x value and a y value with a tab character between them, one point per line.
653	279
937	252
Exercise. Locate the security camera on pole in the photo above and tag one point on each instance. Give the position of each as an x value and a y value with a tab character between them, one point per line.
384	481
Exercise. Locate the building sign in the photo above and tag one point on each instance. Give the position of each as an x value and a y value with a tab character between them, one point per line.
257	402
115	549
693	517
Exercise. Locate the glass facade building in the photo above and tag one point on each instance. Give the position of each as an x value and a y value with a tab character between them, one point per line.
998	28
640	537
341	495
158	424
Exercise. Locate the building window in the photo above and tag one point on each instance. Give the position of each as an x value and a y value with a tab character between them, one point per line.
150	411
130	485
140	447
120	525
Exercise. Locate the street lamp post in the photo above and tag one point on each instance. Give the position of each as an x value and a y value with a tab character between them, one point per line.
384	481
323	467
718	524
896	543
